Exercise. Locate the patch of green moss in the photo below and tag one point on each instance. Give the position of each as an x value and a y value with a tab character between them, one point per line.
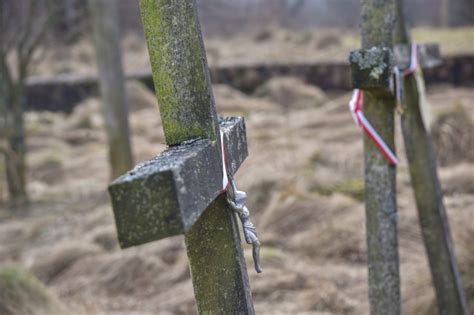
270	253
22	294
353	187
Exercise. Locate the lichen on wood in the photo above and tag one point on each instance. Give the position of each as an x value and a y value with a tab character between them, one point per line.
372	69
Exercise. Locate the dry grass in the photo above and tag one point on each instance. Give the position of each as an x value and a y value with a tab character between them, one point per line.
303	176
453	136
291	92
453	41
60	258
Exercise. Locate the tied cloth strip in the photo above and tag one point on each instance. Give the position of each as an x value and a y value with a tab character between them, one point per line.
355	106
400	75
236	200
407	72
413	61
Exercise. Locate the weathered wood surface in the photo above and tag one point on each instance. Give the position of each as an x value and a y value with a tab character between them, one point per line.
165	196
218	266
63	92
428	193
179	67
378	17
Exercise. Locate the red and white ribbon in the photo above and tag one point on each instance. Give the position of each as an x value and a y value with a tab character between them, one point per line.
225	178
356	108
413	60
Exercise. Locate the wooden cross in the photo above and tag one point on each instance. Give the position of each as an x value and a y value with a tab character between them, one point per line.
434	223
180	191
372	71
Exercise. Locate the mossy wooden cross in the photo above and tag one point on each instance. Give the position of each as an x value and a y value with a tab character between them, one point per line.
180	191
378	69
372	71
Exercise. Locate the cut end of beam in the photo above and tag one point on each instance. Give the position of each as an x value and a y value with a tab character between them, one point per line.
372	69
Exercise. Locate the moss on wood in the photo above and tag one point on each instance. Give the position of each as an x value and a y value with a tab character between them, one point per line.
180	70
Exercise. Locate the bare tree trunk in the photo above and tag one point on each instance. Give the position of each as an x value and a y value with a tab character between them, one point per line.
380	177
16	152
105	22
13	145
22	29
428	194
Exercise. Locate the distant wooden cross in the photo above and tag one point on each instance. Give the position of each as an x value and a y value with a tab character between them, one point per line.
450	296
181	190
373	72
386	74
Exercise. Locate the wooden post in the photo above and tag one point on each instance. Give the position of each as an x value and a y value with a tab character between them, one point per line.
105	20
372	72
180	191
428	194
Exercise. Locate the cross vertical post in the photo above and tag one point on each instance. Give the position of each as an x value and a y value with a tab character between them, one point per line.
181	190
428	194
372	71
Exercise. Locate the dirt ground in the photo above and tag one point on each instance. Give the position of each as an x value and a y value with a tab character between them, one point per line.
304	180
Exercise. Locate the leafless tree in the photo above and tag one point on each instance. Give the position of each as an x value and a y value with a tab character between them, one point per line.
23	26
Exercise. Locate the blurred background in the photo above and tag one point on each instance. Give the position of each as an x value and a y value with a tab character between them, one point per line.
282	64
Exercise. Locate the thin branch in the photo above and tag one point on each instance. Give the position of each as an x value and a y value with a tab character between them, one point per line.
27	29
25	55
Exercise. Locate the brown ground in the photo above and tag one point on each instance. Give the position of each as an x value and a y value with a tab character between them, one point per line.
303	177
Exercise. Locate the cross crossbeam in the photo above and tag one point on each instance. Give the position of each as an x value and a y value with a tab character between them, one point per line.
429	55
166	195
